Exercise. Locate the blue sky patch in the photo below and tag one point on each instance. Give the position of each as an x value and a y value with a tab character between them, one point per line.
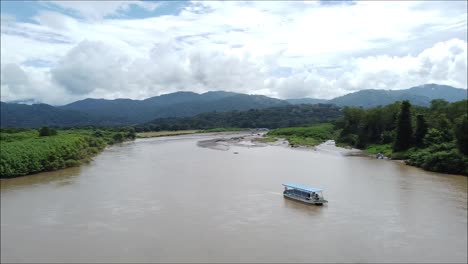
38	63
23	11
164	8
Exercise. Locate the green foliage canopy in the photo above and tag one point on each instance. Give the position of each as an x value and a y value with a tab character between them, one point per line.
404	130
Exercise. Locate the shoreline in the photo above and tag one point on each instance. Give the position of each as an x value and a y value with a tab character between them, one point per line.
80	148
362	153
247	138
90	157
169	133
152	134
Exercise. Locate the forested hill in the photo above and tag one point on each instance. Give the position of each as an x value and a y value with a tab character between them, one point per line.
178	104
419	95
123	112
20	115
275	117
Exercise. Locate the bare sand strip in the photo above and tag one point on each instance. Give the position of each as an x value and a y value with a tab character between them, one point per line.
225	143
255	140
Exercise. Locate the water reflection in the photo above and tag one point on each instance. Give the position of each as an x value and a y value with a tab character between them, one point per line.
303	208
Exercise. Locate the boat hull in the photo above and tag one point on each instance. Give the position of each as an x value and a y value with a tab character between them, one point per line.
303	200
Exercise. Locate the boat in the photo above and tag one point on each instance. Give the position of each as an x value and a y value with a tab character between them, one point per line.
305	194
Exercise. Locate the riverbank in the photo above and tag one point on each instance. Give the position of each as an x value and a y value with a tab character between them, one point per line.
432	138
26	152
165	133
443	158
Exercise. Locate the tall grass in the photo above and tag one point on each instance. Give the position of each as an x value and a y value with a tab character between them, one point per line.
305	136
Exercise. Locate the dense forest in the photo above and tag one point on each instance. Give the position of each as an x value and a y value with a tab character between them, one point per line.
275	117
434	137
25	151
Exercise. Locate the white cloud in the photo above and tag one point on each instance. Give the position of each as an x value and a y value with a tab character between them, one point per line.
25	83
282	49
90	66
444	63
14	80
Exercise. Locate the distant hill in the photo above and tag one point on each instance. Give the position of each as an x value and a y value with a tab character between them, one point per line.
119	112
275	117
306	101
21	115
122	112
177	104
419	95
435	91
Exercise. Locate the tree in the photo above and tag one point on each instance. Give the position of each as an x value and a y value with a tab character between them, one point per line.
433	137
118	137
421	130
444	126
45	132
461	133
404	130
439	105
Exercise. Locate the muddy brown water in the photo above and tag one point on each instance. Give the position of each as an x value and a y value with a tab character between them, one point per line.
174	199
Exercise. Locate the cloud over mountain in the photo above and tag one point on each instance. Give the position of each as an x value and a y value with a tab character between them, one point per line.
69	51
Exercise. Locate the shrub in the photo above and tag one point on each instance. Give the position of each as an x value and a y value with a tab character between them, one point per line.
443	158
433	137
118	137
350	139
44	132
72	163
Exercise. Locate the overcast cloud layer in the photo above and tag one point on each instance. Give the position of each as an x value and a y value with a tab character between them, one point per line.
61	51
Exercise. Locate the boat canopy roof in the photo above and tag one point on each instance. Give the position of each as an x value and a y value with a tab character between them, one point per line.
302	187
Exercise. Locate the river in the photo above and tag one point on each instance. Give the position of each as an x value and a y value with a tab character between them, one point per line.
188	199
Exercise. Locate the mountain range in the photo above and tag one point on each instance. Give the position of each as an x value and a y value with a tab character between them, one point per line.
117	112
419	95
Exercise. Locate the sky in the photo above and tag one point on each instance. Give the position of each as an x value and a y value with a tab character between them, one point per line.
57	52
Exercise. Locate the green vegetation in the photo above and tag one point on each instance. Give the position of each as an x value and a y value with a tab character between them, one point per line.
439	142
46	132
305	136
373	149
275	117
461	127
404	129
30	151
421	131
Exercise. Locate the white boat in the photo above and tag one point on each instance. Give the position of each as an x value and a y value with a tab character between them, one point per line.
305	194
